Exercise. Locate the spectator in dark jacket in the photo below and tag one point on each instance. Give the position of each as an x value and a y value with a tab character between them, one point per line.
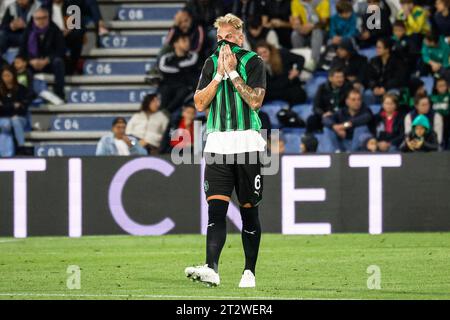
15	100
25	76
370	31
421	138
346	128
180	72
43	46
442	18
283	69
246	9
354	65
3	62
74	37
255	33
276	15
389	125
330	97
385	73
18	14
183	23
403	48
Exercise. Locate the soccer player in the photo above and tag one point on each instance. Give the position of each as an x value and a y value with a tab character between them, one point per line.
232	85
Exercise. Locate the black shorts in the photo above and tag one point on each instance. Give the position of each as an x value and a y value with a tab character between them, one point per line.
221	178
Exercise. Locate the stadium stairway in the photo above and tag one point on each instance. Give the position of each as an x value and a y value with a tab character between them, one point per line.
113	79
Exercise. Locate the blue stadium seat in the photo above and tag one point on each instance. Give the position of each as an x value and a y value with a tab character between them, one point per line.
146	13
375	108
11	54
323	143
117	67
303	110
82	123
124	40
108	95
369	52
312	85
292	138
60	150
429	83
272	108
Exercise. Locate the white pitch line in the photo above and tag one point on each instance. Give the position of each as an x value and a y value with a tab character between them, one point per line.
11	240
152	296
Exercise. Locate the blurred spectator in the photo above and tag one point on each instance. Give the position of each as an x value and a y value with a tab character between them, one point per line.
329	98
343	24
423	107
370	144
441	104
420	138
3	5
117	143
389	125
74	38
205	13
283	69
354	65
17	15
246	9
415	88
309	20
372	31
402	48
182	135
183	23
435	55
24	75
179	69
276	16
416	21
149	125
385	73
309	144
43	46
3	62
345	128
442	18
15	100
277	146
255	32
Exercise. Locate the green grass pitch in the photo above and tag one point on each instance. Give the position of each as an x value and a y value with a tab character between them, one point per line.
413	266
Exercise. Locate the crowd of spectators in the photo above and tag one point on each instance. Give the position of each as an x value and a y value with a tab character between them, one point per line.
410	40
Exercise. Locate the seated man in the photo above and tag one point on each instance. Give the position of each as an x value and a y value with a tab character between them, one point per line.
330	97
43	46
117	143
346	127
17	15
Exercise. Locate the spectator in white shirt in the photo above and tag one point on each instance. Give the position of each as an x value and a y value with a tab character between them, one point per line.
149	125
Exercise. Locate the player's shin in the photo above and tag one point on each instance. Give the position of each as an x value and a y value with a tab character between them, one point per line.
216	232
251	236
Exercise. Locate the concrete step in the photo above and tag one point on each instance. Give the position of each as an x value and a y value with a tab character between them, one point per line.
107	95
65	135
133	40
96	79
92	122
65	149
87	107
114	67
147	12
124	52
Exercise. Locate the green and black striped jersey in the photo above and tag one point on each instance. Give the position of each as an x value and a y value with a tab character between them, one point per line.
228	111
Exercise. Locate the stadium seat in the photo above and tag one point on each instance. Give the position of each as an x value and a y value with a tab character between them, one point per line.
11	54
369	52
323	143
375	108
272	108
292	138
312	85
429	83
303	110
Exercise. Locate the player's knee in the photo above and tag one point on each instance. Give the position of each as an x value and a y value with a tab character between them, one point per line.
217	211
218	197
247	205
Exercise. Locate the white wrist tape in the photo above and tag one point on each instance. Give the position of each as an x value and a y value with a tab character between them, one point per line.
218	77
233	75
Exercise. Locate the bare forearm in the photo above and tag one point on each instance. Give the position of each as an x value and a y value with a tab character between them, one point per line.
253	97
203	98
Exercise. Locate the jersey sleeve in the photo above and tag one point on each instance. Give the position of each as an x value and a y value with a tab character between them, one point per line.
256	72
206	75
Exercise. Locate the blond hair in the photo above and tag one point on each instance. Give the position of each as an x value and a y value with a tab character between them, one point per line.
231	20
